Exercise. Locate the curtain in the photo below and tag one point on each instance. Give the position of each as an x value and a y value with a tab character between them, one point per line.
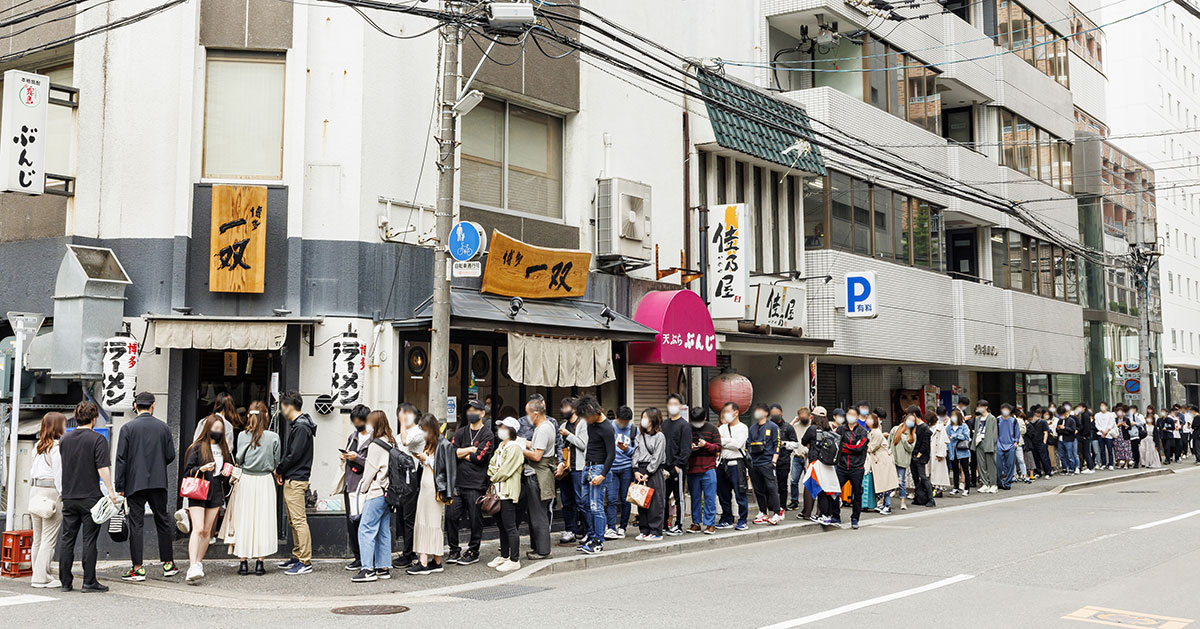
559	362
219	335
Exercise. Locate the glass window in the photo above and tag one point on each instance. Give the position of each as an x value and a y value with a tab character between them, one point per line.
1046	269
1045	147
1016	262
933	103
1072	278
756	182
1060	273
512	159
877	78
839	197
1024	137
1003	9
916	91
1000	272
722	179
1043	54
814	212
777	224
243	115
1027	36
936	260
902	206
885	245
898	95
482	178
1064	162
792	210
1060	52
921	233
862	217
1034	276
1008	138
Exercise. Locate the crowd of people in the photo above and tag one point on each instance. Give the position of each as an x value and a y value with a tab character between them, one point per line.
414	481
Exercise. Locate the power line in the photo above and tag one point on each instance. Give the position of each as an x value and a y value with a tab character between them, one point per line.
103	28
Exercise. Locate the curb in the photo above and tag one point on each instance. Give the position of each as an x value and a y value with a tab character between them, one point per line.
1107	480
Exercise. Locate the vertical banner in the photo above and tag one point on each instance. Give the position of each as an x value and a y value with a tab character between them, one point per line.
23	132
349	369
238	239
119	375
812	383
727	272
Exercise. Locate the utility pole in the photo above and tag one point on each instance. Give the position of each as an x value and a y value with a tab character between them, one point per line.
1144	253
439	345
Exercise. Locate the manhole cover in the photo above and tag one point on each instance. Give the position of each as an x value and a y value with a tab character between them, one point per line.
498	592
369	610
1137	491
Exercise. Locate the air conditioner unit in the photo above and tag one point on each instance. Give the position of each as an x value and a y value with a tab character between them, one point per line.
623	218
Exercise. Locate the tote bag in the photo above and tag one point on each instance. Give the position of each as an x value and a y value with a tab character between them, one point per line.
194	487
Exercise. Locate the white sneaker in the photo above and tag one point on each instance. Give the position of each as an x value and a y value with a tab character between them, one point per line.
966	492
195	573
611	534
620	533
993	489
496	562
954	491
566	538
53	583
509	566
641	537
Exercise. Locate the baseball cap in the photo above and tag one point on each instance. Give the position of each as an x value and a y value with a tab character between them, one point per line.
477	405
511	424
819	410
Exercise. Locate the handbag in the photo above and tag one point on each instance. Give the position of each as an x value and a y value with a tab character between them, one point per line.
43	506
640	495
194	488
118	528
489	503
103	510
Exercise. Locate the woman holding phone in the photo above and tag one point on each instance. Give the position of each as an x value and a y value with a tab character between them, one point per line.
208	458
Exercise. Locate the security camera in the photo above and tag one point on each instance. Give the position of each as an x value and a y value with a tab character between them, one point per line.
514	306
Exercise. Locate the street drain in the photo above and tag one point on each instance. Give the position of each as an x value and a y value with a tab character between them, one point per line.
498	592
1137	491
369	610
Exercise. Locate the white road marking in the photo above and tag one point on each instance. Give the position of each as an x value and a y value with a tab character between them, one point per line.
1166	521
837	611
22	599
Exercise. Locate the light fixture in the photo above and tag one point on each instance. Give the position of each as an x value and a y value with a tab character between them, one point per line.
608	315
281	312
514	306
183	310
418	361
467	103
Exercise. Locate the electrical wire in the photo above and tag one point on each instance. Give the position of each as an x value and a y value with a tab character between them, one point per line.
97	30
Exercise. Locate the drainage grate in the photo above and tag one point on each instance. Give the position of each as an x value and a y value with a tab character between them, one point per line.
1137	491
498	592
369	610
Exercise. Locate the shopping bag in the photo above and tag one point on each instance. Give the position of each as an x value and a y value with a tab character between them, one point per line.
640	495
194	487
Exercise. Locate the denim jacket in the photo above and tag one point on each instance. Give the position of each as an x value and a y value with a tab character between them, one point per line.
960	441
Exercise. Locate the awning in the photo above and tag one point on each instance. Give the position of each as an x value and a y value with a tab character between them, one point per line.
472	310
686	335
208	334
543	361
737	130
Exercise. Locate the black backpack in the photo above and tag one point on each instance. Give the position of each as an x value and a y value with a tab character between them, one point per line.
404	477
825	447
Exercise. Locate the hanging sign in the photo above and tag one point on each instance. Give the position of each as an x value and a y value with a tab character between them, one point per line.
517	269
685	331
780	307
119	373
860	295
349	370
23	132
727	277
467	241
238	239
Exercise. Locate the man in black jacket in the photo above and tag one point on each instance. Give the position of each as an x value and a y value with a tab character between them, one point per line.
355	458
473	445
293	472
144	449
923	489
851	465
678	432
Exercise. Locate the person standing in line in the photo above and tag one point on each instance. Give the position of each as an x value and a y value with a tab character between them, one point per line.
799	425
788	442
1122	445
1008	434
429	539
473	445
649	458
45	498
959	452
1039	431
1106	430
902	440
1085	438
1150	456
1194	419
1165	431
354	457
624	434
1067	429
678	433
375	522
964	407
1022	454
569	472
253	512
939	445
922	454
224	408
144	449
764	453
1185	436
985	447
599	456
538	483
702	472
85	465
851	466
209	459
1137	430
293	473
731	468
504	471
410	436
882	465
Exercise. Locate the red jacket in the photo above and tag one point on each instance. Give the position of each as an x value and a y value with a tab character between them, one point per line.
704	458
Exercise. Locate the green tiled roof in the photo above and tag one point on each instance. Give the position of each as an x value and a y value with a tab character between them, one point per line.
746	134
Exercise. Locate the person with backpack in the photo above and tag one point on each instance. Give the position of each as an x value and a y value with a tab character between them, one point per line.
375	518
678	433
812	425
354	457
625	435
409	436
959	452
504	471
731	468
821	479
293	473
252	511
473	445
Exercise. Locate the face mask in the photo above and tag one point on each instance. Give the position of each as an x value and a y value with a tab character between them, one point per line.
566	414
699	424
1103	409
1005	412
360	427
840	420
870	424
981	411
910	423
728	418
474	418
505	434
778	419
759	414
216	436
673	409
645	423
862	410
487	407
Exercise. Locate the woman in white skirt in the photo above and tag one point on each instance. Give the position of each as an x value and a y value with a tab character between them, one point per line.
254	515
428	534
45	498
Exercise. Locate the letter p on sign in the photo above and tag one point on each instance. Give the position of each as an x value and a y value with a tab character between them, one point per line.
860	295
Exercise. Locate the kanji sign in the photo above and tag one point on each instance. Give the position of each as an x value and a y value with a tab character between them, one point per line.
23	132
349	370
780	307
517	269
119	373
238	239
686	335
727	270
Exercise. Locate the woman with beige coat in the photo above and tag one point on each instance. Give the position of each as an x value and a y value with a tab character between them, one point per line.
375	517
883	467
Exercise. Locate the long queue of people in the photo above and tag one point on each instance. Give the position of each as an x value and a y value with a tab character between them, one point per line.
415	484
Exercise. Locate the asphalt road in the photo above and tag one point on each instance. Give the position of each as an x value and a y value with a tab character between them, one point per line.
1022	561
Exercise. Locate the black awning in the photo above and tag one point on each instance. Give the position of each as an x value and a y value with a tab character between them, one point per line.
472	310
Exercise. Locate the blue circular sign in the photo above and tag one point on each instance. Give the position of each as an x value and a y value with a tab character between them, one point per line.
1132	386
467	241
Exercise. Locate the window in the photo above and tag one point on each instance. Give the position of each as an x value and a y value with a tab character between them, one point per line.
243	115
814	213
896	82
1000	270
1018	262
1032	40
885	246
1170	282
1033	151
862	217
1174	345
871	220
512	159
839	192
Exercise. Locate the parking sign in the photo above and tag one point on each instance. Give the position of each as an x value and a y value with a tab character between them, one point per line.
860	295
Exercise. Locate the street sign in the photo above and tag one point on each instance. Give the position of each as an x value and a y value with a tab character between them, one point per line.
467	241
25	325
860	295
473	268
1133	386
452	408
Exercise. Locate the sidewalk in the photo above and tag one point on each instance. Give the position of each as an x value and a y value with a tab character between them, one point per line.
330	584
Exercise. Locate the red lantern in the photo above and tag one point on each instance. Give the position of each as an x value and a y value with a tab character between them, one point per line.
730	387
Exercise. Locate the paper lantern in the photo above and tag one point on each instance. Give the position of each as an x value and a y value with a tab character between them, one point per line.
349	369
730	387
119	373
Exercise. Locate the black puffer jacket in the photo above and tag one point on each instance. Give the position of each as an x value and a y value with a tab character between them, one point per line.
445	469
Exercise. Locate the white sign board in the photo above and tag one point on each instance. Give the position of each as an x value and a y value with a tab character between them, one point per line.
467	269
727	271
23	132
861	295
349	371
780	307
119	377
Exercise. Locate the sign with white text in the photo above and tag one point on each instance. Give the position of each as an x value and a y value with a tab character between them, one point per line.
727	276
780	307
860	295
23	132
